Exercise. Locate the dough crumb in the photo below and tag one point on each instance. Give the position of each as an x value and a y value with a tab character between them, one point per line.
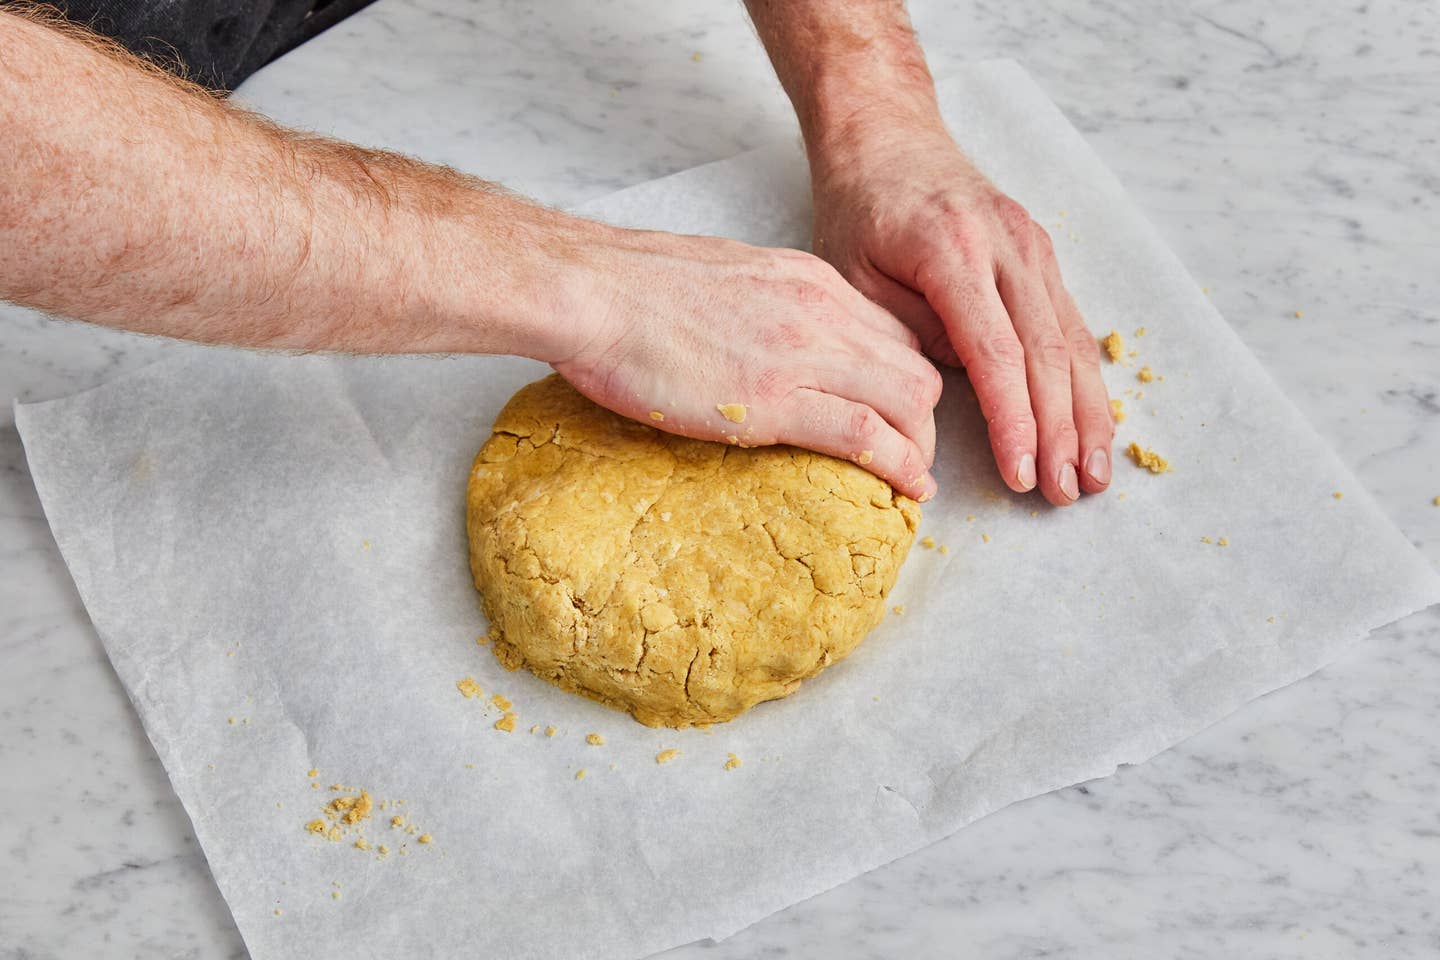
312	773
506	723
425	838
734	412
928	543
482	640
985	537
500	702
550	731
1222	542
1140	332
580	774
468	688
943	549
534	727
657	416
665	756
696	57
899	609
595	740
1148	459
970	519
733	762
317	827
1340	496
1206	540
1117	410
362	844
353	809
397	821
1298	314
334	894
1269	619
383	850
1145	375
1436	501
1114	345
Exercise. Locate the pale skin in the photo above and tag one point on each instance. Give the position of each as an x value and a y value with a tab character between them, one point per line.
133	201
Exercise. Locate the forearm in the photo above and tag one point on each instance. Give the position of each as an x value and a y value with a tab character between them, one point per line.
850	67
132	201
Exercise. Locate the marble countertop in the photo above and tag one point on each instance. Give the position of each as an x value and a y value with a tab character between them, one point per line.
1287	156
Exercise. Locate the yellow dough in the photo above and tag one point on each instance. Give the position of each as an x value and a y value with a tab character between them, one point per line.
679	580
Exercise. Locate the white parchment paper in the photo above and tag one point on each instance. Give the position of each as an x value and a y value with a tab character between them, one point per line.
272	550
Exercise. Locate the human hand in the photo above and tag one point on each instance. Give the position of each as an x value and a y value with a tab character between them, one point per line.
720	340
906	218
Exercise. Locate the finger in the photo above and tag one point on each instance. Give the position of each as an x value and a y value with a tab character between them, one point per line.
985	342
1047	370
853	431
911	309
1090	399
894	380
876	316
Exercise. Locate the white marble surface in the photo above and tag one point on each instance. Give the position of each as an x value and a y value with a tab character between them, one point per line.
1288	156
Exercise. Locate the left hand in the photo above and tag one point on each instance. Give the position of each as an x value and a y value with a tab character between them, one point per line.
913	225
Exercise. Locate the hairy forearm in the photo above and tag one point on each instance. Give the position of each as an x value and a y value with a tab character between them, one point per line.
849	67
131	200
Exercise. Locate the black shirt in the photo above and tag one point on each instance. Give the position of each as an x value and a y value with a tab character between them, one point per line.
216	43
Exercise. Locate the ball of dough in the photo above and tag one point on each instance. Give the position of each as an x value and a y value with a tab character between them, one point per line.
680	580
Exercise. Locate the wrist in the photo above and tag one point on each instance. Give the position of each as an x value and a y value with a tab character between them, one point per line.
488	272
530	274
850	128
862	145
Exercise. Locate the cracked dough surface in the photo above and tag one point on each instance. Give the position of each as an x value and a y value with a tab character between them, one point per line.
679	580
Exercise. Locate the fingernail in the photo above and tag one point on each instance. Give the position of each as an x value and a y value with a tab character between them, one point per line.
1026	474
1098	466
930	486
1068	483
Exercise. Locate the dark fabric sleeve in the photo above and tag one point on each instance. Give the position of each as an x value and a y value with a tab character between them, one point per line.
216	43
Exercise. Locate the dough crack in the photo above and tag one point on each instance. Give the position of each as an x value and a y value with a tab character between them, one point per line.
624	564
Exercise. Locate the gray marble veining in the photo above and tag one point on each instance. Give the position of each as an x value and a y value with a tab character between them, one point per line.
1287	154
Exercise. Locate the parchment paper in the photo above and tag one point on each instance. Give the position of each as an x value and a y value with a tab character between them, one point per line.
279	542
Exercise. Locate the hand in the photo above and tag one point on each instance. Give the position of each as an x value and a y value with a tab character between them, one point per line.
907	219
748	345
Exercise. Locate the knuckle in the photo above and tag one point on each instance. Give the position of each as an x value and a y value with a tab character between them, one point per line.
1084	349
934	386
1041	238
1063	435
1051	353
1000	349
925	386
1014	431
1013	217
864	423
915	393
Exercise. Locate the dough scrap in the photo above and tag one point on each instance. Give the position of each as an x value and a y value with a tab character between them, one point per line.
774	562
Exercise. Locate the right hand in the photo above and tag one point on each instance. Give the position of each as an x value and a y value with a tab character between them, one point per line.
682	326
